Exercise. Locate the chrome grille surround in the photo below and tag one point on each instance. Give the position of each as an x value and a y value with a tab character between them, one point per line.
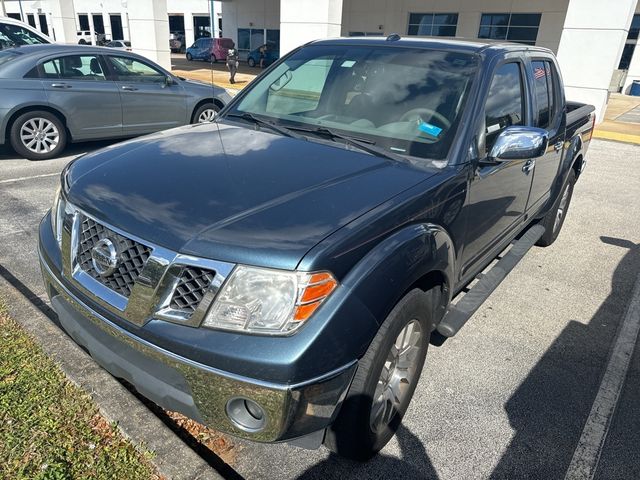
152	288
133	256
191	288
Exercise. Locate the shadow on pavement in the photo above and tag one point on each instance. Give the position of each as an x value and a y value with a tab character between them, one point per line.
549	409
73	149
414	464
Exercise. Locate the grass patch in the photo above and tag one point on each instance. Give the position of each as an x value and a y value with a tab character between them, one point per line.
49	428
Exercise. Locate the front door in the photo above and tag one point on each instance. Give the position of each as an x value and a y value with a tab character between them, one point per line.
149	104
77	85
498	192
548	117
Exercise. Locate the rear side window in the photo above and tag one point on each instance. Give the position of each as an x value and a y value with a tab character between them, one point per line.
543	77
504	106
74	67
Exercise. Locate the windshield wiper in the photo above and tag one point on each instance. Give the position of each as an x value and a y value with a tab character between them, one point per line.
364	145
264	123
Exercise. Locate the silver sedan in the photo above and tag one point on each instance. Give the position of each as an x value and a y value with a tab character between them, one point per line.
55	94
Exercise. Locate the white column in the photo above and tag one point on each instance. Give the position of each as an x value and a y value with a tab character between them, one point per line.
592	40
63	20
634	70
149	30
189	35
304	20
92	29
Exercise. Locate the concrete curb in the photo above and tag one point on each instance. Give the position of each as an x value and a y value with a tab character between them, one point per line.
173	458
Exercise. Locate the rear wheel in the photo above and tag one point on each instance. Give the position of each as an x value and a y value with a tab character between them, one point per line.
385	381
554	219
38	135
251	62
213	59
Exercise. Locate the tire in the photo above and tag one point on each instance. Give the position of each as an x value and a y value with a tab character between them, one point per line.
554	219
202	111
213	59
357	433
82	41
251	62
189	57
38	130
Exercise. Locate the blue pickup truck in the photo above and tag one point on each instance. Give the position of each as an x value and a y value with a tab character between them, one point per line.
279	274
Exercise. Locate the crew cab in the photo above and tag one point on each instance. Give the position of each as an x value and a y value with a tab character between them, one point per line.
279	274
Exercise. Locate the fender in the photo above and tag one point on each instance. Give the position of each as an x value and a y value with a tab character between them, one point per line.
389	270
573	151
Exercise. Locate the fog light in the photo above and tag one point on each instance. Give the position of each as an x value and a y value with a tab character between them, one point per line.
246	414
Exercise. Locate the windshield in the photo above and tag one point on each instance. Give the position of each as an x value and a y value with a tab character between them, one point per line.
12	35
405	100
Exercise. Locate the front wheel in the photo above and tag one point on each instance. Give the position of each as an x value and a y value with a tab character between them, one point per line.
38	135
251	62
554	219
206	113
213	59
384	383
189	57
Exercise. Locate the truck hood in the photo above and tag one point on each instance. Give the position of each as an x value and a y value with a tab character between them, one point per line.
234	194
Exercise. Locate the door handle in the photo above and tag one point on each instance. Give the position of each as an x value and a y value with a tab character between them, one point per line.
60	85
129	88
558	146
527	167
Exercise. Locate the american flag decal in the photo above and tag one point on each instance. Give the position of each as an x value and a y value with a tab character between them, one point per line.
538	73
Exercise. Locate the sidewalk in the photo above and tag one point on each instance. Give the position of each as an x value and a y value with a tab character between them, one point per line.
621	120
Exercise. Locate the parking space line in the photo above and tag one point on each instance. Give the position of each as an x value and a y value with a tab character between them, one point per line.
587	454
20	179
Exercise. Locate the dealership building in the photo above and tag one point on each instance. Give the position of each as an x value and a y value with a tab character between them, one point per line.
595	40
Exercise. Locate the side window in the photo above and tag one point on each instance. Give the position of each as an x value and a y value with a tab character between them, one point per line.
299	90
74	67
130	70
504	106
544	93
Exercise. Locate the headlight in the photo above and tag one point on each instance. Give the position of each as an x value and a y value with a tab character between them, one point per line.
57	216
275	302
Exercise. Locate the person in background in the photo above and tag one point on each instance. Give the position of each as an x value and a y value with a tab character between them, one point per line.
232	62
263	55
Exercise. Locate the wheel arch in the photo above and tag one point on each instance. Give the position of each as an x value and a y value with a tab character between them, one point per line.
29	108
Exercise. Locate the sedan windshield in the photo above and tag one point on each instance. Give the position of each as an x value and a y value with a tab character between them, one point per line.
404	100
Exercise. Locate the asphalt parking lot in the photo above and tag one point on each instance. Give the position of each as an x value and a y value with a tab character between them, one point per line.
509	396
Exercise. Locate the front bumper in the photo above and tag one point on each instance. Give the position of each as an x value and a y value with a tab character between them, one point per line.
196	390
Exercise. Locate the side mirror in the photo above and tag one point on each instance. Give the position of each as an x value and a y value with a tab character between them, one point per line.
168	81
519	143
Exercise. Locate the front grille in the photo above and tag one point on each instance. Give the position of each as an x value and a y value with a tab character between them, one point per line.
191	288
131	259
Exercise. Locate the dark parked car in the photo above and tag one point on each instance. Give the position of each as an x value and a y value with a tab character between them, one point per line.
268	52
279	273
209	49
53	94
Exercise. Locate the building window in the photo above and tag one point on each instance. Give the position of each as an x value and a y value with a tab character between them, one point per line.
515	27
83	20
365	34
433	24
15	16
630	44
31	19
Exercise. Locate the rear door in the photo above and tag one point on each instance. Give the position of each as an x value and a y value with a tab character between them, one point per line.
498	192
548	99
78	86
149	104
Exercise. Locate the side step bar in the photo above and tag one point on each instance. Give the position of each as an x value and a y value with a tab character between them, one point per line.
461	312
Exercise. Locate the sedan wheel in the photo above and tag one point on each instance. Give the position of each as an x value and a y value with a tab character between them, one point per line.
39	135
207	115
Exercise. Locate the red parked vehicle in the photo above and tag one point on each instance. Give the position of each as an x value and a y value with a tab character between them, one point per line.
209	49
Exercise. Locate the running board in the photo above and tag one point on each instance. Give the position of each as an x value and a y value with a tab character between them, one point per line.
461	312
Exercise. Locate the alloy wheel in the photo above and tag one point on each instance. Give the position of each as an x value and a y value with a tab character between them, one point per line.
207	115
397	376
39	135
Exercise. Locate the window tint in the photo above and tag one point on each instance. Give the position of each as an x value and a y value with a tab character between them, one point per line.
544	92
504	106
74	67
130	70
